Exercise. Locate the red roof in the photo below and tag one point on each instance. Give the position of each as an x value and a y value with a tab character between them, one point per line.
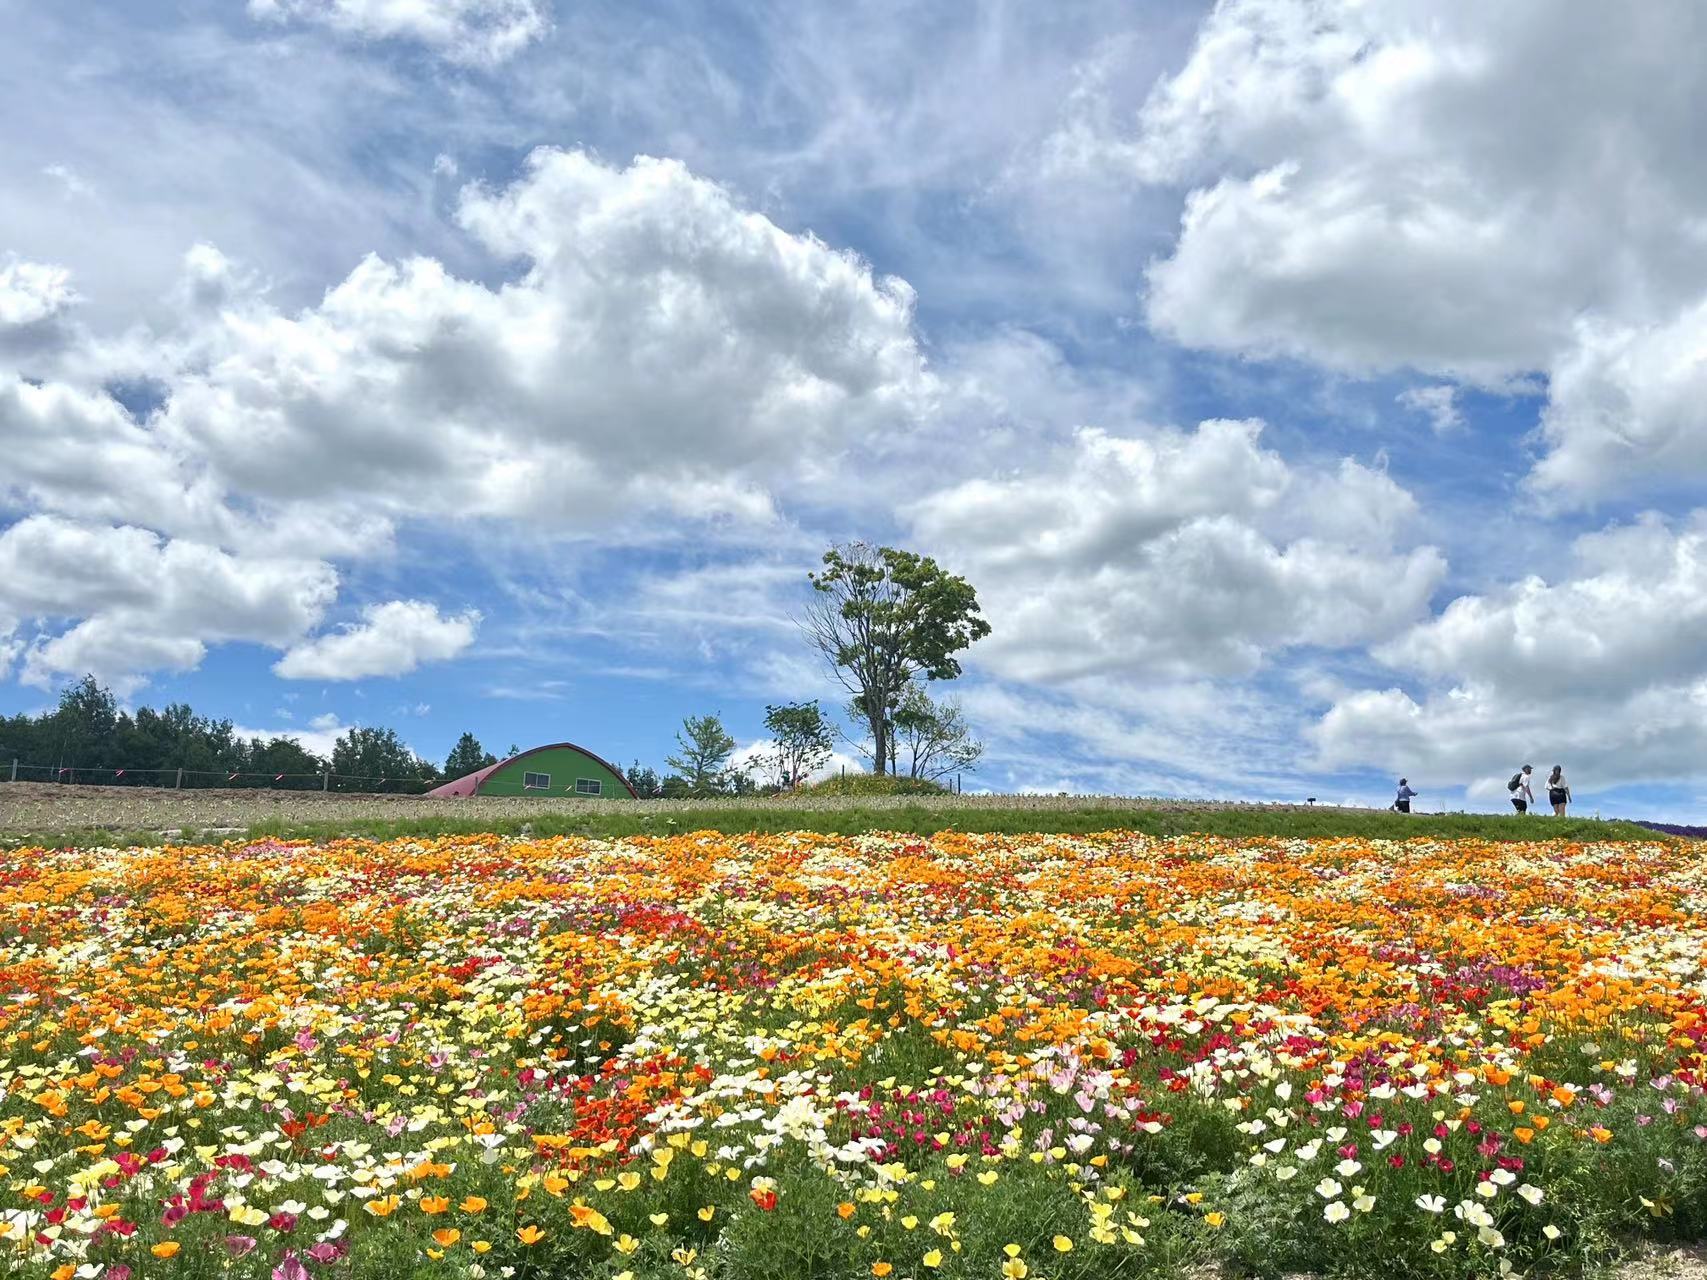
470	784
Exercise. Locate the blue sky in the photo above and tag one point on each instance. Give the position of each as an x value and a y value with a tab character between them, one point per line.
1310	390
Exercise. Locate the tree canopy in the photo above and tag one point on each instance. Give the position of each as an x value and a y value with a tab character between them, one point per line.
704	747
883	618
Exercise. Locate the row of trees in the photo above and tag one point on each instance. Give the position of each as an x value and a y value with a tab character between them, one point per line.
89	735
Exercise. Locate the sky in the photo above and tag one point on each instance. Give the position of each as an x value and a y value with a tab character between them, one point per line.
1311	390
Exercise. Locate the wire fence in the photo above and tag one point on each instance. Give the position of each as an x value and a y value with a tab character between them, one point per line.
180	779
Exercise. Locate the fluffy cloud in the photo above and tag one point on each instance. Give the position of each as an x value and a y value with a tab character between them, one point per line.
320	737
141	603
484	32
1479	192
391	639
31	292
664	350
659	351
36	299
1602	669
1177	554
1625	407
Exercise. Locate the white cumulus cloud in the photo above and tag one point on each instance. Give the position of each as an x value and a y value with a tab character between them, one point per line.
1478	192
1599	666
391	639
1177	553
664	350
31	292
138	603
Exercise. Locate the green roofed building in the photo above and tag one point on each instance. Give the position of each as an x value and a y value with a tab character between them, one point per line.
561	769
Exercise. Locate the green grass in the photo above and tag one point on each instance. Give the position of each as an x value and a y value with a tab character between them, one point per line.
921	819
927	820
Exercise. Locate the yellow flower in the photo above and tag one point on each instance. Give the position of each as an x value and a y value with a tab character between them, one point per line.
845	1209
480	1246
706	1213
658	1219
626	1244
988	1177
881	1269
1012	1250
933	1258
1013	1269
382	1206
628	1180
1063	1244
1215	1219
589	1218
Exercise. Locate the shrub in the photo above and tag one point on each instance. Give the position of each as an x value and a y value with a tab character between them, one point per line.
872	784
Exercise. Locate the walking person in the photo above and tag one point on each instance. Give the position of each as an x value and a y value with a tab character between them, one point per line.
1558	791
1403	803
1522	794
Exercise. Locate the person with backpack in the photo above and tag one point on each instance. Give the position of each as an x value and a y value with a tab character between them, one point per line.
1522	796
1403	803
1558	791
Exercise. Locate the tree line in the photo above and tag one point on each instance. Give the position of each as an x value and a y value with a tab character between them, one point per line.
88	736
886	623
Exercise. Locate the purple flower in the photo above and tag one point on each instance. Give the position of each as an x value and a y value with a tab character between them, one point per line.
290	1269
237	1246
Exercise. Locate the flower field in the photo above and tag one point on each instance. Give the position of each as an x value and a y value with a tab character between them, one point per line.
834	1056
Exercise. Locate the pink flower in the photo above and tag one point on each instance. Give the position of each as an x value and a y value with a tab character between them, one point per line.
290	1269
237	1246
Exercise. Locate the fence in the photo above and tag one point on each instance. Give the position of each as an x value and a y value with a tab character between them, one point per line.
177	779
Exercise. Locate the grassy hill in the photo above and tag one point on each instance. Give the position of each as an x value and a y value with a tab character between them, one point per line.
43	813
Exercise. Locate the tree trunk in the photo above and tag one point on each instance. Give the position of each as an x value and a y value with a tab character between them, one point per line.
879	743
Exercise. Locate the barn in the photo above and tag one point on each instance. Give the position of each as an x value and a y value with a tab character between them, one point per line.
559	769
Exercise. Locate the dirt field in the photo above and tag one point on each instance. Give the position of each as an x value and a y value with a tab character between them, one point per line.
45	806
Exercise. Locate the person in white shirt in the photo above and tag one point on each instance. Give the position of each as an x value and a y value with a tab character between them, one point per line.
1522	795
1558	791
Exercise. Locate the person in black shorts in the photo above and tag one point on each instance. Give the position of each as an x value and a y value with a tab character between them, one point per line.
1403	802
1522	794
1558	791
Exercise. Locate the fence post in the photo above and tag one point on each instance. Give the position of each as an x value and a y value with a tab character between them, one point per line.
14	768
325	779
178	782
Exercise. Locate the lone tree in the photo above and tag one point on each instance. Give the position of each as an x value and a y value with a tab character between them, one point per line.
467	757
704	760
800	741
883	617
